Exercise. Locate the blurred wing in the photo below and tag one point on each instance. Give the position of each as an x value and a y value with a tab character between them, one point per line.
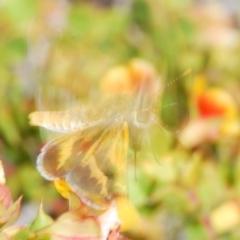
58	121
80	117
93	162
64	121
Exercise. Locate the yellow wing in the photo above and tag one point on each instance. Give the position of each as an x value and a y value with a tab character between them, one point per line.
92	161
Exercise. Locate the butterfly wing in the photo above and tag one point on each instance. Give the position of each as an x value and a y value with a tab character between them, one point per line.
65	121
92	161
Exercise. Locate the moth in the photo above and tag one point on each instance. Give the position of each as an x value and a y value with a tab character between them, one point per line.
91	153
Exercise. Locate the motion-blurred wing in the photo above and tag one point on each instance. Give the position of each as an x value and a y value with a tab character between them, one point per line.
65	121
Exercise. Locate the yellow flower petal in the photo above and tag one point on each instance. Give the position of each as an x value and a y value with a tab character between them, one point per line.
128	214
62	187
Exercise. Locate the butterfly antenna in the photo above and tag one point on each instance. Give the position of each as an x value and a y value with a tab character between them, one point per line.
127	182
179	77
135	165
169	105
158	98
163	129
150	145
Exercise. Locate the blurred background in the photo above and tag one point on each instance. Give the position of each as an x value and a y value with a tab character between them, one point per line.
53	55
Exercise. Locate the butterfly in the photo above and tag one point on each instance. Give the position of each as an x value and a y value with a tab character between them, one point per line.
91	155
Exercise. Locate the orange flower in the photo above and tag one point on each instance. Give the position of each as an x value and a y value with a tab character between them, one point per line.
139	75
216	102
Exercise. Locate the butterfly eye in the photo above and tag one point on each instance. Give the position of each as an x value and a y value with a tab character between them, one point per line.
144	118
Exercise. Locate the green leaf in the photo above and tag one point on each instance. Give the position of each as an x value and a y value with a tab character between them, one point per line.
42	220
11	214
74	201
23	234
8	128
5	198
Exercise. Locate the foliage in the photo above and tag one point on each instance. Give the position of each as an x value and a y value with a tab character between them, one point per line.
55	54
